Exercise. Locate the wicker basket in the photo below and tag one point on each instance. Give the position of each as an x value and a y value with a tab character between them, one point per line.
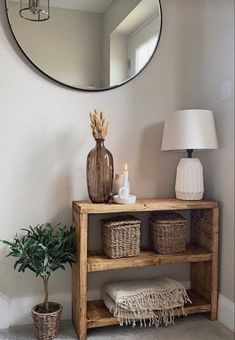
168	233
46	325
121	237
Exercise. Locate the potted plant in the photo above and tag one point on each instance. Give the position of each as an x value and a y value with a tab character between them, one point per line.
43	250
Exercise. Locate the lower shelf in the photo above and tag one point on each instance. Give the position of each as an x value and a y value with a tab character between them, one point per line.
99	316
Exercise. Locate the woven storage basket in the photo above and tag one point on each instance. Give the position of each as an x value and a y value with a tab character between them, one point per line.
46	326
121	237
168	233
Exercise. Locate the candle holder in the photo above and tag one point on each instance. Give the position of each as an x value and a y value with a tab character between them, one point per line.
124	196
130	199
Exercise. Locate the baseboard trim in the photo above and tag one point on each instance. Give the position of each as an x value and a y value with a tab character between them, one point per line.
226	312
20	308
4	311
17	311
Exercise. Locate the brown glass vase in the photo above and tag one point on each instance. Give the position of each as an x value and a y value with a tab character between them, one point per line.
100	173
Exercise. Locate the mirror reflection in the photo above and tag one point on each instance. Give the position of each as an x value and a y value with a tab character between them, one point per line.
87	44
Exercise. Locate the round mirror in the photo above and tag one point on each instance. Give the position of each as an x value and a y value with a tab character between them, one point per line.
90	45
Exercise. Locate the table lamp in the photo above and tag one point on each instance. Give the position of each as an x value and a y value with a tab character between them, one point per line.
189	130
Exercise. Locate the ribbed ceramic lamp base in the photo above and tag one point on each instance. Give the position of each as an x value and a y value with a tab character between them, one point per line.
189	180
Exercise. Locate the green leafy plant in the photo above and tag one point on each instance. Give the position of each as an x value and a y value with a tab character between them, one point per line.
43	250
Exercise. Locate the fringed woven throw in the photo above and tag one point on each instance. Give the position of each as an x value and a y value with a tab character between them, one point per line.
151	302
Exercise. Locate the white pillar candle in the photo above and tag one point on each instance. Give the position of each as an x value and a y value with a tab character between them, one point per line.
125	177
117	183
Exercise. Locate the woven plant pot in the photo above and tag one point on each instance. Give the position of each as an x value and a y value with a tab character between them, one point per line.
46	324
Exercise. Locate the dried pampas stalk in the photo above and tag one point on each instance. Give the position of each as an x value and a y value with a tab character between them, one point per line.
99	125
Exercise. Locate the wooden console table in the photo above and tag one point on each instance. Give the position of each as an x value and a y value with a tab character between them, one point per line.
202	253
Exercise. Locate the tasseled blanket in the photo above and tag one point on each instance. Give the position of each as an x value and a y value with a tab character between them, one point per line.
151	302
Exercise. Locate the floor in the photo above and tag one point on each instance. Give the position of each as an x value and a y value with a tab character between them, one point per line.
196	327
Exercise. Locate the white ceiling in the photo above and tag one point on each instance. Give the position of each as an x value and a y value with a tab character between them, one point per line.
95	6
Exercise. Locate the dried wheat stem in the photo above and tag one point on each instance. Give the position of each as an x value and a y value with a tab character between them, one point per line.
99	125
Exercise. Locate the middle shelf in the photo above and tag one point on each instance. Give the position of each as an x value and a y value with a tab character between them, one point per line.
96	261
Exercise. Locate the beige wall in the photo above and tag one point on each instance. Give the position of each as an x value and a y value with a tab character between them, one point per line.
68	46
217	67
45	138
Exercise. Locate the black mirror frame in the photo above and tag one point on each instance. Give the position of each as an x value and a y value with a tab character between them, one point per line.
78	88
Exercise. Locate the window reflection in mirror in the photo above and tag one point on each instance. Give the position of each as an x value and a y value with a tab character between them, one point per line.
90	44
144	52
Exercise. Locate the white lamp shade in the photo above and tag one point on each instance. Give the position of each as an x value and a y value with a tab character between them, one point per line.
190	129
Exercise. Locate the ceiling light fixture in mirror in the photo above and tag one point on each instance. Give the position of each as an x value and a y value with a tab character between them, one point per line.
34	10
